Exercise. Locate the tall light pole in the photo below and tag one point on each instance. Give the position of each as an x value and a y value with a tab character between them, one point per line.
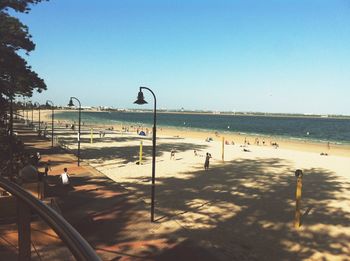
50	103
32	107
23	109
25	103
27	114
11	133
11	119
140	100
39	122
70	104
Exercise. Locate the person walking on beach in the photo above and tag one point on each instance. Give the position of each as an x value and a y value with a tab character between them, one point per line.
172	154
206	163
65	177
47	168
40	185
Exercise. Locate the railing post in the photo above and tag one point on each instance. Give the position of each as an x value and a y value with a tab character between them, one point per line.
26	204
24	246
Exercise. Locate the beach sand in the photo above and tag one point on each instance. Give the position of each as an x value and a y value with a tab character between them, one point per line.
242	207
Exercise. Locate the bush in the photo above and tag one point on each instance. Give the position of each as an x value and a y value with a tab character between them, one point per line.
12	153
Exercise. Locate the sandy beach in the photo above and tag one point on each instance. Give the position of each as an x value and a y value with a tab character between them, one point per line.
242	206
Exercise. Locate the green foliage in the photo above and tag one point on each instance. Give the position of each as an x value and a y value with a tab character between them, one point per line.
14	34
16	78
18	5
12	155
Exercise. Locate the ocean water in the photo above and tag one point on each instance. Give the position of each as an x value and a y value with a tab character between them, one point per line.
316	129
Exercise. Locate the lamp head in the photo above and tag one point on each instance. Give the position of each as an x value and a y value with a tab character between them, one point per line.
71	104
49	103
140	99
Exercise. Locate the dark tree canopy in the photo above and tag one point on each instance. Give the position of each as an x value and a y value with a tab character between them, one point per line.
13	34
16	76
18	5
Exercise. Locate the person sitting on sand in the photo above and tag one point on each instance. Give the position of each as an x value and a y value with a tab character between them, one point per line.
195	153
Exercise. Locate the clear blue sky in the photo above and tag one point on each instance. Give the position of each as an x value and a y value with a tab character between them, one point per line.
269	56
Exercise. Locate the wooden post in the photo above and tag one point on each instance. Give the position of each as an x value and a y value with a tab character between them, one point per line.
24	241
91	136
297	219
140	159
223	148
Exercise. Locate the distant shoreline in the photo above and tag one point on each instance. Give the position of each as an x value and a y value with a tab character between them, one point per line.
212	130
245	114
340	149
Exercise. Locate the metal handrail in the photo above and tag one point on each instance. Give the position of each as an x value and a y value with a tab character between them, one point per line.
78	246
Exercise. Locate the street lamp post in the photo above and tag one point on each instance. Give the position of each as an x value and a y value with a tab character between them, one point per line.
50	103
11	119
25	103
38	105
72	104
32	107
27	113
23	109
11	133
140	100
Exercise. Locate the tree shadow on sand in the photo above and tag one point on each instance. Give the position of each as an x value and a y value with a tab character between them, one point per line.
239	210
244	210
127	154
